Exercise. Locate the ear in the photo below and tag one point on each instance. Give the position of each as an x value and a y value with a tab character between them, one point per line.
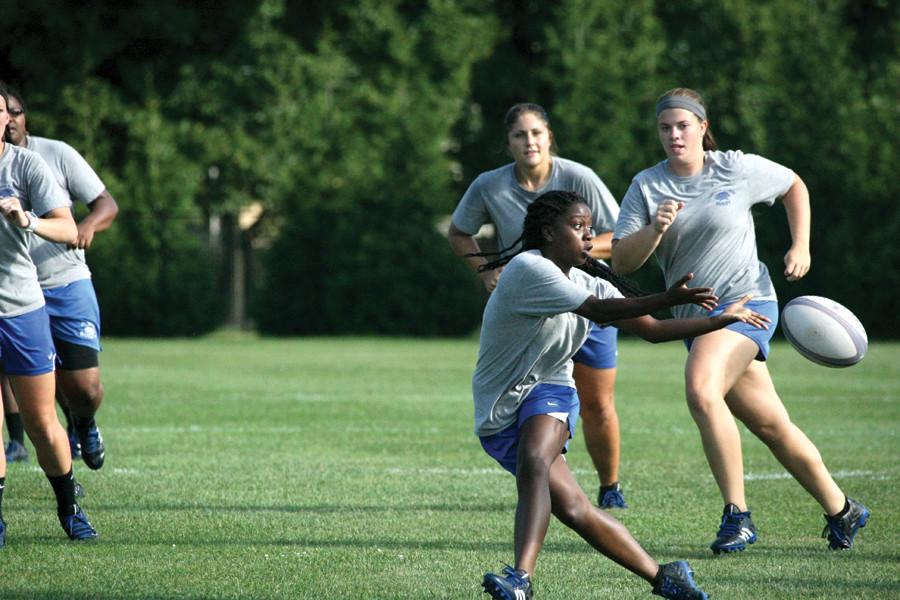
547	233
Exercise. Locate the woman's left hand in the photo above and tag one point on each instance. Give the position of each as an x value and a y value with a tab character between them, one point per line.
796	263
739	312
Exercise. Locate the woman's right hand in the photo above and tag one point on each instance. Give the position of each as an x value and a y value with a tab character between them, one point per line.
665	215
12	211
680	293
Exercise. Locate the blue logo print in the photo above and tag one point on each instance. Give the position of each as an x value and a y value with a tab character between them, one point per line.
723	198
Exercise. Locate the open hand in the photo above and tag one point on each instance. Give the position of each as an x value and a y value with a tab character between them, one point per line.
739	312
680	293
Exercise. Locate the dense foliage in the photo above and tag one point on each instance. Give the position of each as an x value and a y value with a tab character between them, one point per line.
352	129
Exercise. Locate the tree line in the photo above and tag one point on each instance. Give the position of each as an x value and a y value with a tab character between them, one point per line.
290	163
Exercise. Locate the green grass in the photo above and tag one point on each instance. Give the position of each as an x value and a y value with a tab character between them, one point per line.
346	468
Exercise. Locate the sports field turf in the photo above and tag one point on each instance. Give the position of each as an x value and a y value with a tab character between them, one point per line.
240	467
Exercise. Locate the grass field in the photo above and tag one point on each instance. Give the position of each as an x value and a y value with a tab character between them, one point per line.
240	467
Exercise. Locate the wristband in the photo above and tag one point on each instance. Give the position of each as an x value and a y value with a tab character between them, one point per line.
32	221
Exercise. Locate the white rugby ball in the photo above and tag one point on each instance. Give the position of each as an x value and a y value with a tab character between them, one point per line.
824	331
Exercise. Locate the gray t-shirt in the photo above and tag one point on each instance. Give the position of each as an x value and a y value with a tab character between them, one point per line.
57	264
25	176
496	197
713	235
529	335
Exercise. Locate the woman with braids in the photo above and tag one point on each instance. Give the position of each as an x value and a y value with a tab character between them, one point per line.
501	196
32	204
526	405
693	211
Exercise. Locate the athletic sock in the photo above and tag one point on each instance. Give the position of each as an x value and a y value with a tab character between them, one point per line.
608	488
14	426
64	488
82	424
2	485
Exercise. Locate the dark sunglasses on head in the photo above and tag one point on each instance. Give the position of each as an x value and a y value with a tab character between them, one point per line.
16	112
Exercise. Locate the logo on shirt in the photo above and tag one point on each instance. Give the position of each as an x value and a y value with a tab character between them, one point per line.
723	198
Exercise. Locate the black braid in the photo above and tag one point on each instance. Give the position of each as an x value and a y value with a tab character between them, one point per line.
544	211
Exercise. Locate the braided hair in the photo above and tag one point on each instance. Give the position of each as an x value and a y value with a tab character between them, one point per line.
544	211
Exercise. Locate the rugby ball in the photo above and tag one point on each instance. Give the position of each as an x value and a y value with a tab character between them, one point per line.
824	331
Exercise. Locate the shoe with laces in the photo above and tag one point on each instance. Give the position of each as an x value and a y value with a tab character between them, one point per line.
736	531
676	582
16	452
74	444
77	526
840	531
93	452
512	585
2	533
611	497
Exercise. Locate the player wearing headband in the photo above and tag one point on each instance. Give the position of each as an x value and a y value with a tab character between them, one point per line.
692	211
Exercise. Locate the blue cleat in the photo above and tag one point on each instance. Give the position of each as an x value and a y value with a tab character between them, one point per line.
77	527
611	497
74	444
2	533
93	452
840	531
736	531
16	452
676	582
513	585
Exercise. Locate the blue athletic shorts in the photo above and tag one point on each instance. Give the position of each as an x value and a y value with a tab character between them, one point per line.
761	337
74	313
600	350
26	347
544	399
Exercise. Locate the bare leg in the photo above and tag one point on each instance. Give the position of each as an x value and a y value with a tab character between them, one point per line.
717	360
37	404
754	401
596	390
607	535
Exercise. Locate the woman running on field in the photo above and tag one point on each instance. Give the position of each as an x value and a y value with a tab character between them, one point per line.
32	203
526	405
501	197
693	211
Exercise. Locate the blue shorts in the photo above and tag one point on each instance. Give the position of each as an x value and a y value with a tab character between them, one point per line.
26	347
74	313
545	398
761	337
600	350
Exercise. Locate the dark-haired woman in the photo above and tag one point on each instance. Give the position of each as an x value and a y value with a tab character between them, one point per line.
31	203
693	211
526	406
501	197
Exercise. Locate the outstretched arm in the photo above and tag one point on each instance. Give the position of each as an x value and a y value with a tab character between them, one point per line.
654	330
614	309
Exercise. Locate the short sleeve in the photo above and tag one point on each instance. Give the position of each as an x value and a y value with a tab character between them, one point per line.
766	179
633	215
82	181
471	212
